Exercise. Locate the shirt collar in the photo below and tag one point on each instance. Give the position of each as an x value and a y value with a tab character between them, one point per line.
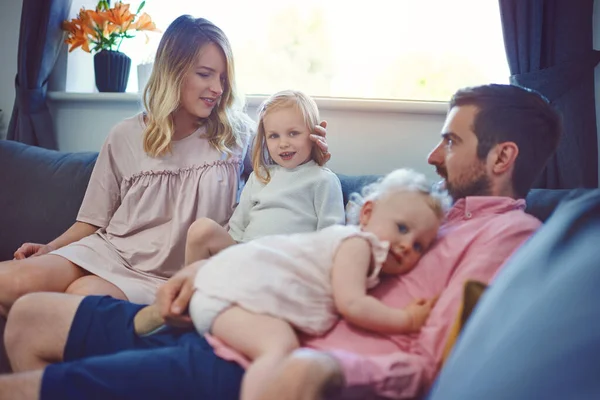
476	206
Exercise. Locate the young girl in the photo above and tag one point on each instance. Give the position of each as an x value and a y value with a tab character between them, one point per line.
254	295
289	191
156	174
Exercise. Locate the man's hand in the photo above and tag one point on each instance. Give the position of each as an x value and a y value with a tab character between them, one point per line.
32	250
306	375
320	138
173	297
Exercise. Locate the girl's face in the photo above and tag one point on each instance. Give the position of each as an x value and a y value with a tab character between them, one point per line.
405	220
203	85
287	137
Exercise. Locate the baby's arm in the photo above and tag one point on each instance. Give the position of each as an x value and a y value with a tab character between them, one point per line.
349	280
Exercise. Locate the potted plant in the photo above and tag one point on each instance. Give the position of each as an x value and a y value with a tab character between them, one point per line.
101	31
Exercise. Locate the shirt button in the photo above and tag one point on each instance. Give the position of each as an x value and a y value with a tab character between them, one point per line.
469	215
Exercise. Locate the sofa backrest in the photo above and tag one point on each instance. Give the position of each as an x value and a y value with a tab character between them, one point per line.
41	191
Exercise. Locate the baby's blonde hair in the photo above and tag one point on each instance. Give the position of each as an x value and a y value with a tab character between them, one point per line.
400	180
179	48
286	98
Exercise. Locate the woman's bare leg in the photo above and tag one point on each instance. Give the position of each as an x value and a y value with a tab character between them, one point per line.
264	339
46	273
94	285
205	238
37	329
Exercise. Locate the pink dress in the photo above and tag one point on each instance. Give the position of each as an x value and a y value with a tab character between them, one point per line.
286	276
144	207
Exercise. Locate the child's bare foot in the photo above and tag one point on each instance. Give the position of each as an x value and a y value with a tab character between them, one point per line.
147	320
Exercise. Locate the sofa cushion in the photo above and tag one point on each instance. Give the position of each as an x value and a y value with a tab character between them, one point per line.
40	193
541	203
355	183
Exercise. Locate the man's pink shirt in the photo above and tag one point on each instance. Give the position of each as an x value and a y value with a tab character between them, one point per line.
479	235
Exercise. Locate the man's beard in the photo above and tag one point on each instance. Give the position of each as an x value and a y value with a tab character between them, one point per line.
473	183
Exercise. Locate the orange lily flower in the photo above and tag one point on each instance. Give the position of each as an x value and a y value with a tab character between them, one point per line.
101	30
144	23
119	15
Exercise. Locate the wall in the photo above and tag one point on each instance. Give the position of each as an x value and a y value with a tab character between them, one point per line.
362	140
10	19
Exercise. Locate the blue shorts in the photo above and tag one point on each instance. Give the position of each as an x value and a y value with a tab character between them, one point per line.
105	359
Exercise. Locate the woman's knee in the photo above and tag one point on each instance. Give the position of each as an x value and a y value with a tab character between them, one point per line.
36	274
16	282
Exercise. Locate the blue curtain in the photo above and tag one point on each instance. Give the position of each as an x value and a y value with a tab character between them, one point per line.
40	39
549	48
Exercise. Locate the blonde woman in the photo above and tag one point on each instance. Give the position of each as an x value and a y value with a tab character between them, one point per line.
155	175
290	191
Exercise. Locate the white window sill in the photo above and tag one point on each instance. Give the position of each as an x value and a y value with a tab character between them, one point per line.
324	103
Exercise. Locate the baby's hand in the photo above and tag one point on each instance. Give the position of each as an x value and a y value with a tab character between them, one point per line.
418	311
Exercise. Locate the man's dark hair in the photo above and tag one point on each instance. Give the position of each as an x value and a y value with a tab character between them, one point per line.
508	113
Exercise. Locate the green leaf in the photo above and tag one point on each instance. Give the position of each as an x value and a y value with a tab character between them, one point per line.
140	7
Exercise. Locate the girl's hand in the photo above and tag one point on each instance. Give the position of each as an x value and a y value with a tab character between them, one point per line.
173	297
418	311
319	137
32	250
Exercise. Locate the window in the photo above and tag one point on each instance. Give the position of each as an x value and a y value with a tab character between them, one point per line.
377	49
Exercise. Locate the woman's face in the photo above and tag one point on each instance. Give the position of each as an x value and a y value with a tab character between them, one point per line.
204	84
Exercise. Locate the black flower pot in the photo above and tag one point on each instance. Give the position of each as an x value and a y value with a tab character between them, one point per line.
112	71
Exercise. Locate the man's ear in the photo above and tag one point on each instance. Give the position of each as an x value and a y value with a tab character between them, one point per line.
504	157
365	213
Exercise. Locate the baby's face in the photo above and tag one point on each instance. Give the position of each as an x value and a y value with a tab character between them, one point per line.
407	222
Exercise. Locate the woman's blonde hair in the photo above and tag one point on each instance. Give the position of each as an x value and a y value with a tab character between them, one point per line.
400	180
179	48
286	98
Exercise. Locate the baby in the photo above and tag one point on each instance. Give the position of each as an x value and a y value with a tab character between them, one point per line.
253	296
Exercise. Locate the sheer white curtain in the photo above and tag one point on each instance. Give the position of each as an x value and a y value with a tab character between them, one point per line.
386	49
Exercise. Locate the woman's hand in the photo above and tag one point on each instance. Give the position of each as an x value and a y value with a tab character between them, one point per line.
173	297
319	137
32	250
306	375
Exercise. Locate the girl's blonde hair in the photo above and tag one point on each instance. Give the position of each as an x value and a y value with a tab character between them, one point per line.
400	180
287	98
179	48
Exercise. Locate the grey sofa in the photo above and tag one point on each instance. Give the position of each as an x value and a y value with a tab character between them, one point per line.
41	190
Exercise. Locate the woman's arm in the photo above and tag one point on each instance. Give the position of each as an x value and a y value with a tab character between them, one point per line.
76	232
349	280
102	198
